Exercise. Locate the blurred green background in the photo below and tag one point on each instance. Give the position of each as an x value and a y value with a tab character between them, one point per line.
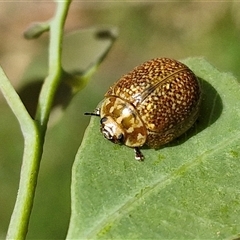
146	30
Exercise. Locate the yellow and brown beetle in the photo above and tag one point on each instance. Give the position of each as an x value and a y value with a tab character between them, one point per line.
151	105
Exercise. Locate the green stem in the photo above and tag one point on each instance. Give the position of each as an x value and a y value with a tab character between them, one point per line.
55	67
34	130
30	165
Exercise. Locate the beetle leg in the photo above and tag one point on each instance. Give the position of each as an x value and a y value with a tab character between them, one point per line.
138	155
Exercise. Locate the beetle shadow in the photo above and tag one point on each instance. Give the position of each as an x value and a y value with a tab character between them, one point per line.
210	110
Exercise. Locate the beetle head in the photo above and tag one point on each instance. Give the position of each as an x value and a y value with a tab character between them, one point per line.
111	130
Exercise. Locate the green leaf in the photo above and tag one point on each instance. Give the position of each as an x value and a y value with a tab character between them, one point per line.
189	189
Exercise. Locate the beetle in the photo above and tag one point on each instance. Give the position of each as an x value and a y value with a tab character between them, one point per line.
151	105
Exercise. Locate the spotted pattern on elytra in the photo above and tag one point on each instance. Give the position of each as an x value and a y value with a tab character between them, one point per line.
164	92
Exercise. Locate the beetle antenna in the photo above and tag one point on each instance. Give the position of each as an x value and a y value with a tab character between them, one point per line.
92	114
96	113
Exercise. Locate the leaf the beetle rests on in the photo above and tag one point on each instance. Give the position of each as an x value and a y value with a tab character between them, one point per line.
187	189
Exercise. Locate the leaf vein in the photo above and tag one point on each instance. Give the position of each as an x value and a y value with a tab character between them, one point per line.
168	179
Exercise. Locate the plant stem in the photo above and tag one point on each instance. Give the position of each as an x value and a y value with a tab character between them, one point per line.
34	130
30	164
53	79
